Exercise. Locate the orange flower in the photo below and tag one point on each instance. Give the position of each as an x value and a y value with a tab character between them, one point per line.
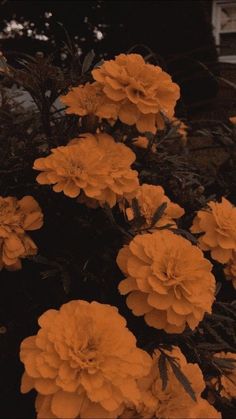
233	120
95	164
15	218
83	362
174	401
150	198
141	142
142	91
89	100
181	129
228	379
218	223
230	270
168	281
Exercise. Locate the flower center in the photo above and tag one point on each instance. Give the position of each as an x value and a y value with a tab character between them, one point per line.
86	357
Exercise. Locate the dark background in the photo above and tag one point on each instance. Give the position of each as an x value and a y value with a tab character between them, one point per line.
179	32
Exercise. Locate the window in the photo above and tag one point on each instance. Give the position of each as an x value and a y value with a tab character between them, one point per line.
224	24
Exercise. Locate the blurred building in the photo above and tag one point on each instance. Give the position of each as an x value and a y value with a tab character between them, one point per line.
224	31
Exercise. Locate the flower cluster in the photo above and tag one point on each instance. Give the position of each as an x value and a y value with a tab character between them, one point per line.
173	401
168	281
16	217
83	362
129	89
218	223
94	164
150	198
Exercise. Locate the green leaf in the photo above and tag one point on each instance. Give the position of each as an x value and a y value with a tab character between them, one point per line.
163	370
158	213
135	207
139	219
226	363
98	64
182	378
88	61
149	135
165	226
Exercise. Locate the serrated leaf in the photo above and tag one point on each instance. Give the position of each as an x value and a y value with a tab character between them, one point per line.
227	363
173	132
211	346
203	132
182	379
135	207
41	259
88	61
162	364
216	316
165	226
158	213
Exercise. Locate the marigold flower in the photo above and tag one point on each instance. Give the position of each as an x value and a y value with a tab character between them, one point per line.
181	129
89	99
141	142
142	91
173	401
94	164
168	280
233	120
228	379
230	270
83	362
150	198
16	217
218	223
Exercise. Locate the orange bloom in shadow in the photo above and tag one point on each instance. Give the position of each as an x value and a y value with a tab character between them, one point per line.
141	142
83	362
16	217
228	379
173	401
181	129
233	120
94	164
142	91
218	223
168	281
150	198
230	270
89	99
